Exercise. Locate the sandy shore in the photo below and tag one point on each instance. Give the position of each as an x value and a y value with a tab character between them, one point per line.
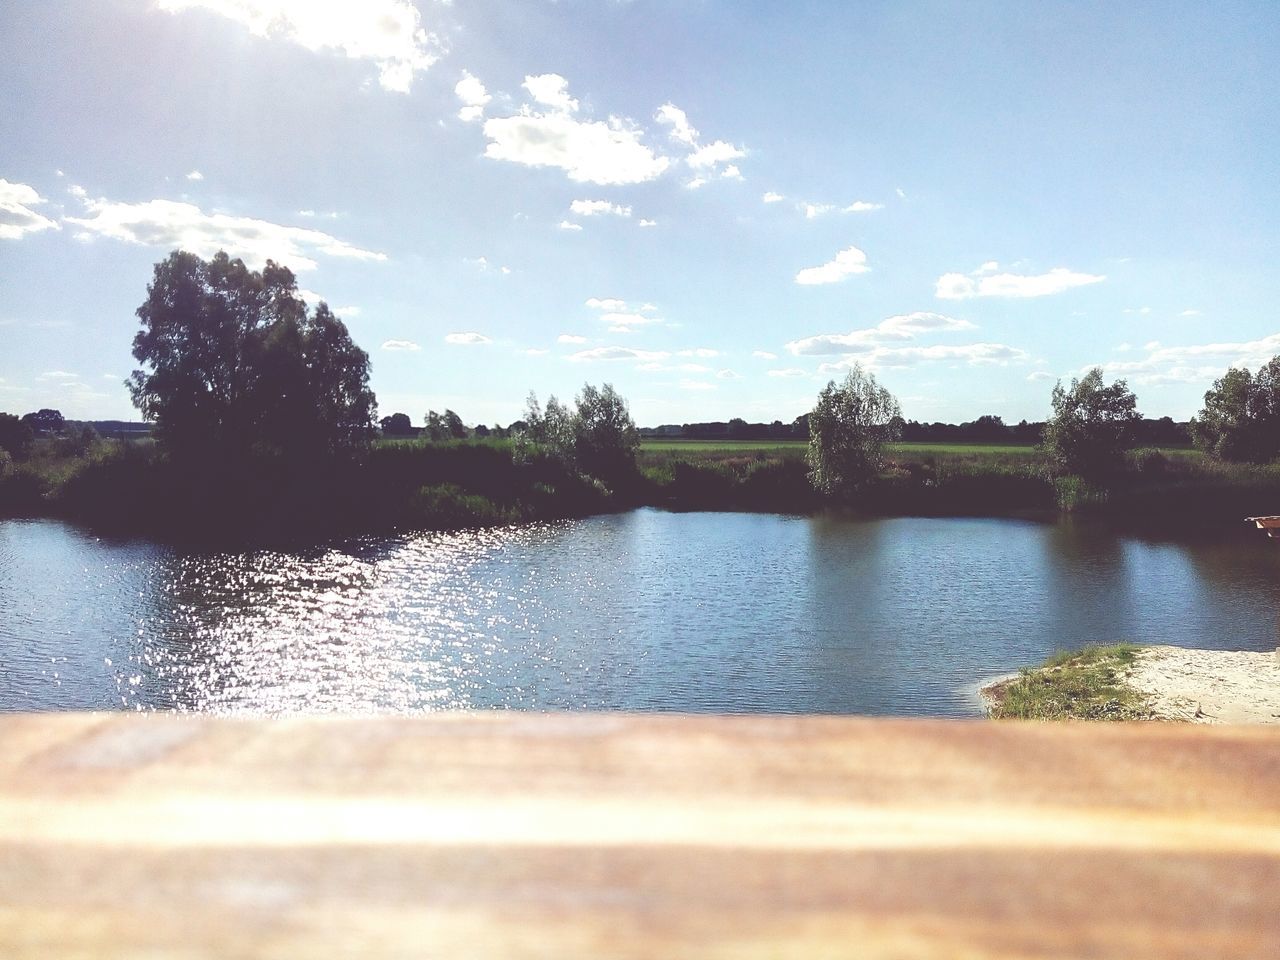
1209	686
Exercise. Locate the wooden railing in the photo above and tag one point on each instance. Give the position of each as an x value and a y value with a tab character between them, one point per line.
590	835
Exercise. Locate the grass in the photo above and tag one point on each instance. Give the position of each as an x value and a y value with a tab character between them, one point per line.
1077	685
712	446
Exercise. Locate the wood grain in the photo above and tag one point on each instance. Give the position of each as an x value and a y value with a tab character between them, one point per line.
589	835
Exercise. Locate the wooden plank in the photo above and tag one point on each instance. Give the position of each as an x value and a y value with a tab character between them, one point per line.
587	835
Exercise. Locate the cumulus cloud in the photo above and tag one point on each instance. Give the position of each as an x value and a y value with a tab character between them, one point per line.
714	154
695	183
548	134
195	175
985	282
627	322
789	372
570	338
707	159
474	97
469	339
17	219
815	210
703	352
1039	375
862	206
731	172
772	197
166	223
595	208
846	263
608	303
648	223
387	32
618	353
764	355
727	374
399	346
898	328
569	225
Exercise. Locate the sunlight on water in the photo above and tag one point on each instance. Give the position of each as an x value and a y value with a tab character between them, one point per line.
639	611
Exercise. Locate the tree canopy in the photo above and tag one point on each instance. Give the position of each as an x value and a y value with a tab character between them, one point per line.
847	432
234	364
1092	425
598	436
1241	416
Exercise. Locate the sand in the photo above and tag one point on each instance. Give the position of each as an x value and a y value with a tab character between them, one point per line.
1209	686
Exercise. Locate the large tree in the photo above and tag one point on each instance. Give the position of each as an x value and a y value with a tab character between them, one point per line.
847	432
234	365
1092	425
1241	416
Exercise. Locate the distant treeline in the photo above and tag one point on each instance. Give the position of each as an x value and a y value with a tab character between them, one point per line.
1164	432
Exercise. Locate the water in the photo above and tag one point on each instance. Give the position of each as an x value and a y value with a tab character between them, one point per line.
639	611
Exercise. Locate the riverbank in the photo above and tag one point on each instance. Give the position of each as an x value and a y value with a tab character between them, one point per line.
1143	683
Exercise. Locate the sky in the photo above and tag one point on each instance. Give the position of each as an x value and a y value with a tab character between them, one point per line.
715	205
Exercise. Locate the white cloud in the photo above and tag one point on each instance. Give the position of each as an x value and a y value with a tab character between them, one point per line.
681	130
551	90
470	339
789	372
1040	375
714	154
772	197
166	223
815	210
387	32
1189	313
903	327
536	352
195	175
588	151
648	223
77	191
764	355
569	225
703	352
17	219
59	376
727	374
973	354
570	338
396	346
695	183
731	172
593	208
1196	364
627	322
609	303
984	283
618	353
862	206
847	262
474	97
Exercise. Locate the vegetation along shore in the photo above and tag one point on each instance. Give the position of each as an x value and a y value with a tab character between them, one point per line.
259	424
1126	682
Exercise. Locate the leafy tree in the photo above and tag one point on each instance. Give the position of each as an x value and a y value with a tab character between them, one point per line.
1241	416
1092	425
453	426
45	421
847	432
434	426
235	366
605	439
396	425
15	436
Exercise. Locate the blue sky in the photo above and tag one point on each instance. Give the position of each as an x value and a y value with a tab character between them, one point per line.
716	206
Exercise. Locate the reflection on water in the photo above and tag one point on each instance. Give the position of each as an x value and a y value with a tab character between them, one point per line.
639	611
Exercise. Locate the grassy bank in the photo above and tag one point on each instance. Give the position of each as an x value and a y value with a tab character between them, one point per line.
1077	685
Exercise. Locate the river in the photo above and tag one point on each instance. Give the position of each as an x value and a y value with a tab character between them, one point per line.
647	610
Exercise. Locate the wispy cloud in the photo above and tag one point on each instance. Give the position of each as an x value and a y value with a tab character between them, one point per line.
469	339
618	353
17	219
388	32
595	208
898	328
399	346
166	223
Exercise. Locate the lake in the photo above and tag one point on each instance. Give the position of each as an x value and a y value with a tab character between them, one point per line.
647	610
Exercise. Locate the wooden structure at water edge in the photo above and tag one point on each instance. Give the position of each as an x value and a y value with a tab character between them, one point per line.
586	835
1269	524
